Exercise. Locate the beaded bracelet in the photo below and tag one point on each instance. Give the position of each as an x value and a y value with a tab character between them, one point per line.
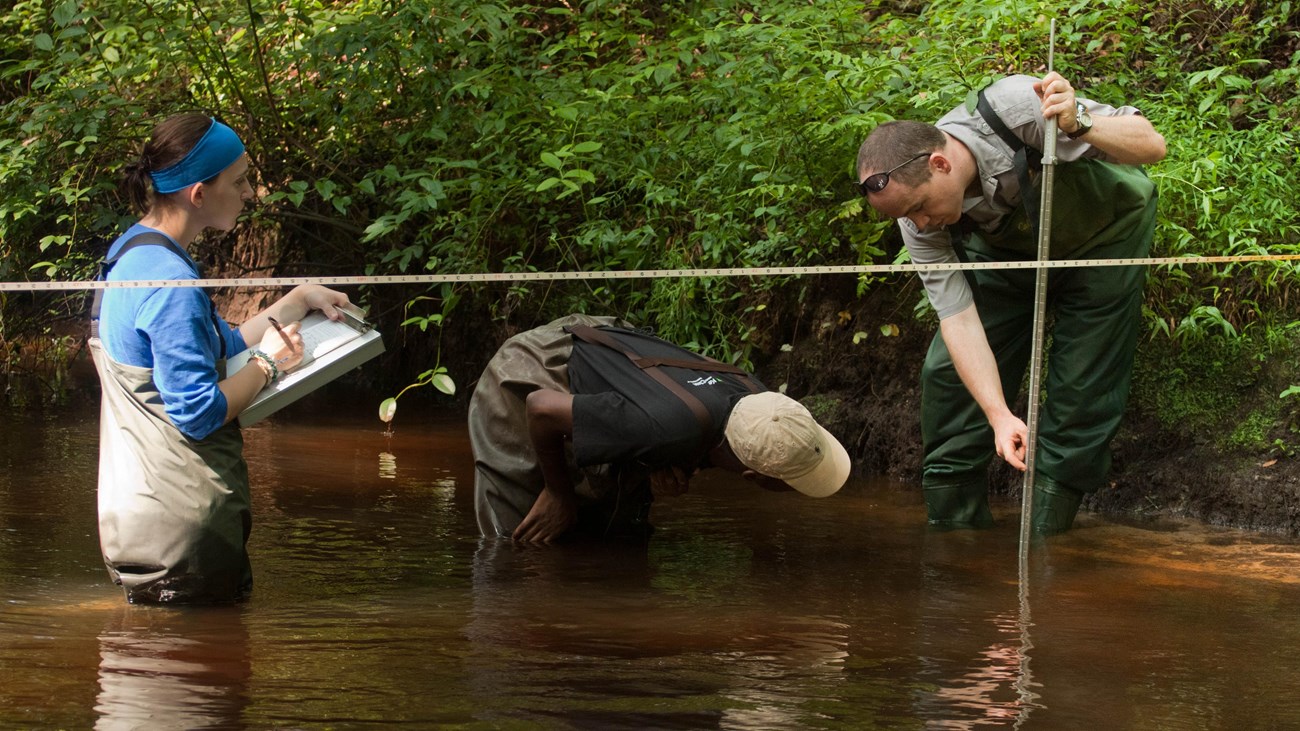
274	371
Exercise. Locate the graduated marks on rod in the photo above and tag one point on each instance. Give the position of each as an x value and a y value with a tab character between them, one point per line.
638	273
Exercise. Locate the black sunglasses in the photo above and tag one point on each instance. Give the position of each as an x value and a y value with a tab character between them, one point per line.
877	182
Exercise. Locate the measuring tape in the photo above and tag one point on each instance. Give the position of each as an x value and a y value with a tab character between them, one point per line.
637	273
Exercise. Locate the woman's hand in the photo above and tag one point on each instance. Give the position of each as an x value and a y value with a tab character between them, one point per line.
293	306
285	349
316	297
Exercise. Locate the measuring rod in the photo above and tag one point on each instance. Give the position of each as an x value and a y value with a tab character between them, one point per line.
1048	175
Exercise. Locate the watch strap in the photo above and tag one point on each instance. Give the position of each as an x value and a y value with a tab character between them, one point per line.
1081	127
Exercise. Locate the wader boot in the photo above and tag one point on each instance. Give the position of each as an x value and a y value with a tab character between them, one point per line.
960	505
1054	507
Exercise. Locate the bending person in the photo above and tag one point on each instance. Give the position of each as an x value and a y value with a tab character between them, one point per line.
964	189
173	486
578	424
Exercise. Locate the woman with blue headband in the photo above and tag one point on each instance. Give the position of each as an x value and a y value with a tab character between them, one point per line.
173	485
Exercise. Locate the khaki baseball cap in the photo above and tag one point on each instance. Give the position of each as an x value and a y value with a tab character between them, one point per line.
776	436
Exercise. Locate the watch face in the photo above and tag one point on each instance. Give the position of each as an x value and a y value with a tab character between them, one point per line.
1082	121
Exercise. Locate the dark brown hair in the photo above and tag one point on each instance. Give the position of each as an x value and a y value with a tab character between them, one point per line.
892	143
171	141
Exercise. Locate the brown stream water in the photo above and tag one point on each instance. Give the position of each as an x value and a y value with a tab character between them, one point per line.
377	605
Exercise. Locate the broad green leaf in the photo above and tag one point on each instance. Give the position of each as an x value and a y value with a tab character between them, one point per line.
443	383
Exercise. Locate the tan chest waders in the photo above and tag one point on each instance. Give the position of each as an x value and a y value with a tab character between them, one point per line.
173	511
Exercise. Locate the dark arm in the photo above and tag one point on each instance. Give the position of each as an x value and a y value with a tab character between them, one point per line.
550	423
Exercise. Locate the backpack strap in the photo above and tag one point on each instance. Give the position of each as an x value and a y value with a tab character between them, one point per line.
652	367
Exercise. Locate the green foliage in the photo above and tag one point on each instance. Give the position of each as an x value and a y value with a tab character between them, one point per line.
459	136
1221	391
438	376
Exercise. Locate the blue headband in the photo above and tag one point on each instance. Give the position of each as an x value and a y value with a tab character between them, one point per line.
216	150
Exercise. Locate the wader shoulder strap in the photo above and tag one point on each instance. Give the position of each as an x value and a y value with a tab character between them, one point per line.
651	367
1033	156
959	233
148	238
961	230
145	238
1027	160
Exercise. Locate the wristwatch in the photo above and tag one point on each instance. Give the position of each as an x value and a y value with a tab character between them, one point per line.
1082	121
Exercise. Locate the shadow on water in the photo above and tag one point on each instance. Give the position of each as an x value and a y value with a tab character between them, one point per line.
377	604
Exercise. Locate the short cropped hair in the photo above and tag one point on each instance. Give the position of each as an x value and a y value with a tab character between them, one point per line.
892	143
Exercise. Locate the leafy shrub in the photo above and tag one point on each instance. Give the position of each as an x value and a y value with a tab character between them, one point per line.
461	136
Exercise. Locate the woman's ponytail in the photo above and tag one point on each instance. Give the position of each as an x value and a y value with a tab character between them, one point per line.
171	141
136	185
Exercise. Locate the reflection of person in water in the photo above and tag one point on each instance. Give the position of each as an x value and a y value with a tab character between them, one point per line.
974	664
173	670
576	425
709	646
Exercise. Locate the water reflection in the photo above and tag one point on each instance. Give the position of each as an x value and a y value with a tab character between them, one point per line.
988	690
577	614
172	669
387	466
377	603
970	647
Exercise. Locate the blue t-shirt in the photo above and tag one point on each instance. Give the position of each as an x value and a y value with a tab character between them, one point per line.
172	330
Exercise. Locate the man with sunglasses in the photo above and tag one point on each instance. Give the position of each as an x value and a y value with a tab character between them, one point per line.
965	189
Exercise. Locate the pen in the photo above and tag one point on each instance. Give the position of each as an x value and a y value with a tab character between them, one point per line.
280	330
